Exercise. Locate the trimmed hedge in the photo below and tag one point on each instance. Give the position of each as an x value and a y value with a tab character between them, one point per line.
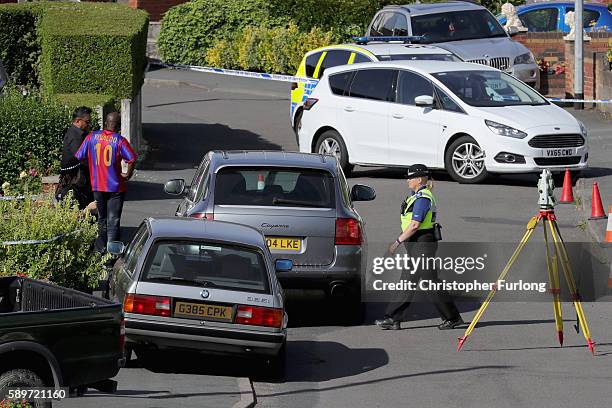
189	29
82	47
275	50
19	43
30	127
93	48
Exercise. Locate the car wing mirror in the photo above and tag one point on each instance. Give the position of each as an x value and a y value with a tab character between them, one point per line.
115	247
174	187
361	192
283	265
424	101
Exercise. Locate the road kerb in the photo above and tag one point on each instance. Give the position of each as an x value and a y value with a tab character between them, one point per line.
247	393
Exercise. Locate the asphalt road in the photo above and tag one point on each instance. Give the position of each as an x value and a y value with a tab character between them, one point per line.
512	359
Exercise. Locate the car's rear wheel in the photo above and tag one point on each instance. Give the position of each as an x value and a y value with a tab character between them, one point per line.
23	379
297	122
330	142
464	161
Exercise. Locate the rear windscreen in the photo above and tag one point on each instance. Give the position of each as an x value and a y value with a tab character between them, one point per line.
202	264
269	186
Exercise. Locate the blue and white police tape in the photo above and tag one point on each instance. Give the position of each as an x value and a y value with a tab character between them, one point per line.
245	74
11	198
580	100
38	241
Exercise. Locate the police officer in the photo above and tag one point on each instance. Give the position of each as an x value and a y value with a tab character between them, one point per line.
418	217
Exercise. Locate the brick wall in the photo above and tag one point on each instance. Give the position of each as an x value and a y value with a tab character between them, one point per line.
155	8
549	47
591	50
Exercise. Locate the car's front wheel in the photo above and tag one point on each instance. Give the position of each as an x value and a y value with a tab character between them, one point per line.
331	143
465	161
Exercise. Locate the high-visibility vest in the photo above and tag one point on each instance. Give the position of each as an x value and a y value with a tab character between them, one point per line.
430	217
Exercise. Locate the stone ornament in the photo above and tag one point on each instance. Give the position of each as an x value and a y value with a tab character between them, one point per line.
570	18
512	20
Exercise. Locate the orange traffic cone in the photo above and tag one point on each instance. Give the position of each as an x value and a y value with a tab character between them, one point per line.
609	227
567	195
597	211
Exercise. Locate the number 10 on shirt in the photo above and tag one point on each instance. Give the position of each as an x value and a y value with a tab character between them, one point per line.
107	154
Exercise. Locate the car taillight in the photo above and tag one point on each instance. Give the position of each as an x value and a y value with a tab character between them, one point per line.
294	86
310	102
348	231
122	335
146	304
259	316
203	216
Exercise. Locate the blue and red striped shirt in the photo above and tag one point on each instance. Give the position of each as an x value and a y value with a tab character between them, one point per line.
104	151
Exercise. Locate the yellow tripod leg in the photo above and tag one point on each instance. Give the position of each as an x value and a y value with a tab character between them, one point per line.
567	271
530	228
553	275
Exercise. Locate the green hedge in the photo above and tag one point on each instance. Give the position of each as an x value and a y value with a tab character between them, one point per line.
19	43
93	48
349	17
75	47
30	127
189	29
275	50
68	261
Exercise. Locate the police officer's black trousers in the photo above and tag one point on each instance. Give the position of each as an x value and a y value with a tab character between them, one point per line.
422	245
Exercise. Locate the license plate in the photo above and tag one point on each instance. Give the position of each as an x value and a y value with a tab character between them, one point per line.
284	244
203	311
558	152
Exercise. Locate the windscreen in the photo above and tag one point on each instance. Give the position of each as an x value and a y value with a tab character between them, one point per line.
203	264
489	88
456	26
418	57
274	186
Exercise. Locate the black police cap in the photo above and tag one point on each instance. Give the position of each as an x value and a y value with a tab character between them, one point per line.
417	170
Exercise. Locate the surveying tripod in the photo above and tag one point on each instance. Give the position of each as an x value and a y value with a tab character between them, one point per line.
547	216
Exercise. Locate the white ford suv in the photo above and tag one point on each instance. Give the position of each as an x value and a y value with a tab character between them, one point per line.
466	118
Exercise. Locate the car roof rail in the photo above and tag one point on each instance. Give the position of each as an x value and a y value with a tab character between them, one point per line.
405	39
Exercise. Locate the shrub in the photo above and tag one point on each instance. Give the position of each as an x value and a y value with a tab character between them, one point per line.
30	127
275	50
93	48
68	261
19	44
341	16
75	47
189	29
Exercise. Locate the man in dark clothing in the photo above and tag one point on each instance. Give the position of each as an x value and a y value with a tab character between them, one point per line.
74	174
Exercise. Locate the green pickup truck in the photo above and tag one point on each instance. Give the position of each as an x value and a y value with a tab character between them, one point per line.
55	337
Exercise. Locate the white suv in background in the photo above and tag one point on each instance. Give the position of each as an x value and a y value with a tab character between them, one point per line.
466	118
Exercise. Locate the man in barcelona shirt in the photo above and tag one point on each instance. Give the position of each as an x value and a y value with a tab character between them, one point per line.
104	150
